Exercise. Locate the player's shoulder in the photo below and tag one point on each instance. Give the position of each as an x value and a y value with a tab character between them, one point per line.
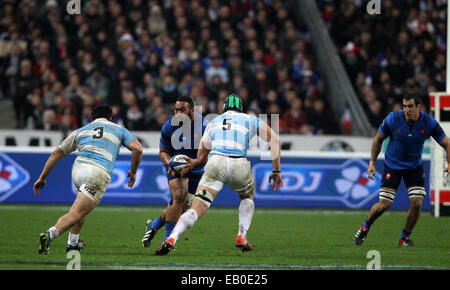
103	121
427	118
167	124
203	119
394	117
217	118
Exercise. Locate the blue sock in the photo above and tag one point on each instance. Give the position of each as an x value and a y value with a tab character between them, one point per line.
158	223
367	224
405	233
169	227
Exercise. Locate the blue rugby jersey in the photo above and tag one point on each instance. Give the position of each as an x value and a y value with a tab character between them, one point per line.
229	134
98	143
176	141
405	146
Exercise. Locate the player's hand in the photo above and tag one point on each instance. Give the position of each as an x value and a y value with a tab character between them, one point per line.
277	181
189	165
447	170
132	179
371	171
38	185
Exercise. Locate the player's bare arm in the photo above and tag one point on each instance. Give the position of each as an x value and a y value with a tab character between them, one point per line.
202	158
268	135
165	156
446	145
374	152
136	156
48	167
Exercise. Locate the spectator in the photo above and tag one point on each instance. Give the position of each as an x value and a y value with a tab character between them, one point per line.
294	118
394	53
73	89
318	117
21	86
169	90
216	69
97	83
48	120
136	53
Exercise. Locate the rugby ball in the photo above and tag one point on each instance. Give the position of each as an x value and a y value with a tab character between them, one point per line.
176	162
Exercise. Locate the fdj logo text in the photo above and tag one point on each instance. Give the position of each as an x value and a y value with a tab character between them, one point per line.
295	181
344	183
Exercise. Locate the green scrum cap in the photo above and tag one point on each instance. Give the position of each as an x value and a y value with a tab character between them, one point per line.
232	102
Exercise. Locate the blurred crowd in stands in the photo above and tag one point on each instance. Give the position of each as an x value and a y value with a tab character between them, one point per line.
400	50
139	55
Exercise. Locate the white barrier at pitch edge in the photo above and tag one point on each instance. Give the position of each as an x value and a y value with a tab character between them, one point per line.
251	153
151	140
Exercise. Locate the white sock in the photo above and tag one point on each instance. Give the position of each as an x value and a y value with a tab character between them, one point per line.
185	222
73	239
246	209
53	232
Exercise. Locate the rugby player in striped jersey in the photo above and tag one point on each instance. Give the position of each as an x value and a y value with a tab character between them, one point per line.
98	144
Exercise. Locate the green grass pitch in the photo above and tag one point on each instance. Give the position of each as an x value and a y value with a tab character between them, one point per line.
283	239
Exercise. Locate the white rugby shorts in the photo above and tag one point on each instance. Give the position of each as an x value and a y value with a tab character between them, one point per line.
90	180
221	170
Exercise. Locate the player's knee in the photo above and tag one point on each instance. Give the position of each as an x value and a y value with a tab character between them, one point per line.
76	216
384	204
204	196
247	192
179	196
415	203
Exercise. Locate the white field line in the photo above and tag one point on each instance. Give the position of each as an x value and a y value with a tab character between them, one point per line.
218	210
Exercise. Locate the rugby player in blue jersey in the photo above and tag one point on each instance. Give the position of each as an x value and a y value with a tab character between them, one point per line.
408	129
177	137
98	144
223	148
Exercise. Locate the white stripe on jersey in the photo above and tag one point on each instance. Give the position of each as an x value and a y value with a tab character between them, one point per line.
105	121
98	150
227	143
111	137
90	162
223	154
239	128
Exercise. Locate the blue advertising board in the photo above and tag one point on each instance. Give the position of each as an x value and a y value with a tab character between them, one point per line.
310	181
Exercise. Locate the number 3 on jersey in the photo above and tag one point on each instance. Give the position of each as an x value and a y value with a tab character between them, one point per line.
99	134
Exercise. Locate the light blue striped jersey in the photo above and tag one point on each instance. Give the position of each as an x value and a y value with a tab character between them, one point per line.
229	134
98	143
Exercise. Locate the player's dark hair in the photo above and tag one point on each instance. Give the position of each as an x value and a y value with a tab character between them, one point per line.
416	98
187	100
101	111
